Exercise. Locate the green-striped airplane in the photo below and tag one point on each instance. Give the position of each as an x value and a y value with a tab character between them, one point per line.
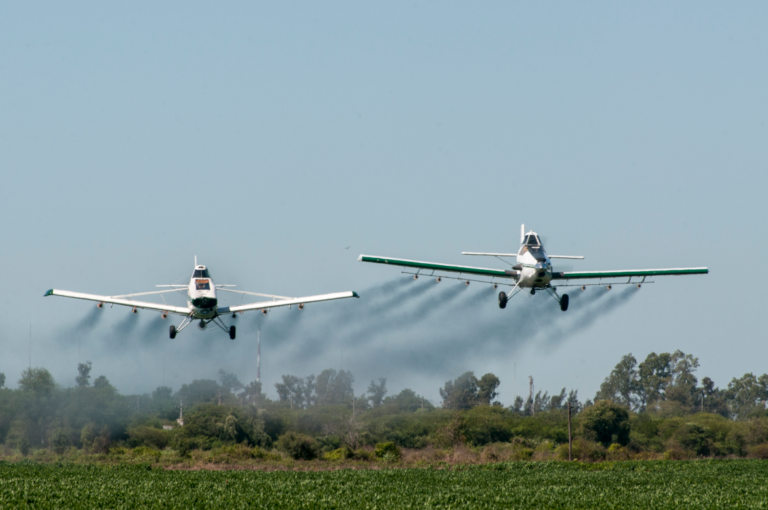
533	271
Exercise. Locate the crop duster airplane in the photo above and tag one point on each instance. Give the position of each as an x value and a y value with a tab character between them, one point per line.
203	305
533	271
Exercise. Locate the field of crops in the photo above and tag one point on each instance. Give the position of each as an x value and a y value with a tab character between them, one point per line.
651	484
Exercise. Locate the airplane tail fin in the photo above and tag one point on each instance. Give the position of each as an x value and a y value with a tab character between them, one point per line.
522	233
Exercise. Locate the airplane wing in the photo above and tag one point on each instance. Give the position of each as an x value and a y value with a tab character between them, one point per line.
181	310
438	267
285	302
577	275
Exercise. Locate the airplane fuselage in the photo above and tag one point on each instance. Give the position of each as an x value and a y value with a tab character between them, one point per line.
201	294
535	267
533	264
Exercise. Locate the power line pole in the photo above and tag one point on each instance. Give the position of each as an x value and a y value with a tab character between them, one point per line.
258	356
530	395
570	441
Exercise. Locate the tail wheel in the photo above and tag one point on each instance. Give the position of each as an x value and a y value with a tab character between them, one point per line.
172	332
232	332
502	299
564	302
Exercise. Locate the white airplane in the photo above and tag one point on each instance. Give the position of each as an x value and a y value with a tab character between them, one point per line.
533	271
203	304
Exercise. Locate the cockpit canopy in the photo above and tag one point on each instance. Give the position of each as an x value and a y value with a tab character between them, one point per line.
201	272
532	240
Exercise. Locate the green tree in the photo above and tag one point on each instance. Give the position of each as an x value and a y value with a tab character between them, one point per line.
291	390
682	387
747	395
622	384
606	422
377	392
84	371
334	387
654	374
252	394
101	382
408	401
199	391
230	381
37	380
486	388
2	379
460	393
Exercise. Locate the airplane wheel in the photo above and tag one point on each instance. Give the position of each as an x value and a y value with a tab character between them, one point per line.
173	332
502	299
232	332
564	302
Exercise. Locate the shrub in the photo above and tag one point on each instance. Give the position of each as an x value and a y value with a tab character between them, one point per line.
145	451
387	451
298	446
148	436
759	451
696	438
59	442
24	446
606	423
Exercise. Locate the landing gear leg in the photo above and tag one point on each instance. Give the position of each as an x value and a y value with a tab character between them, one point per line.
562	301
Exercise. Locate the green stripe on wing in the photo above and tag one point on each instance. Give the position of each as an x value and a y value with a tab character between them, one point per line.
628	273
435	266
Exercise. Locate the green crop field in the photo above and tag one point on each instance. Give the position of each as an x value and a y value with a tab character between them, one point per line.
638	484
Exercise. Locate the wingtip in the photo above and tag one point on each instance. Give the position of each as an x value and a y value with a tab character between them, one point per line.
355	294
360	258
49	293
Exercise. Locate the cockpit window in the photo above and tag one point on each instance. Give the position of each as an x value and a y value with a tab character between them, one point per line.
201	273
531	241
202	284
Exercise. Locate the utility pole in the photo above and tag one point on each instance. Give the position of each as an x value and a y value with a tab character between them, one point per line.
530	395
30	347
258	356
570	441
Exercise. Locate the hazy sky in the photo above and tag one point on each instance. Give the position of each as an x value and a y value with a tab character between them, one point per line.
265	138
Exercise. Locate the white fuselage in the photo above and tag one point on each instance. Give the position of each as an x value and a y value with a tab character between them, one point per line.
534	264
201	295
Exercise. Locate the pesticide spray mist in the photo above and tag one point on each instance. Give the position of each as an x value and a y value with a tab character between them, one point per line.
400	328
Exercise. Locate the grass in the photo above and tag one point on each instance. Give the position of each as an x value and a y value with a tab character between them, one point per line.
633	484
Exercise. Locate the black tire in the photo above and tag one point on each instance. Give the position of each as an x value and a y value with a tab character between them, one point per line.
564	302
502	299
172	332
232	332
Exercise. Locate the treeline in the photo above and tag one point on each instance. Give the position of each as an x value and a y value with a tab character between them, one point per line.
666	384
656	407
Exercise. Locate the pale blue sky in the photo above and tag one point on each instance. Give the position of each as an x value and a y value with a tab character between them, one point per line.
265	138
